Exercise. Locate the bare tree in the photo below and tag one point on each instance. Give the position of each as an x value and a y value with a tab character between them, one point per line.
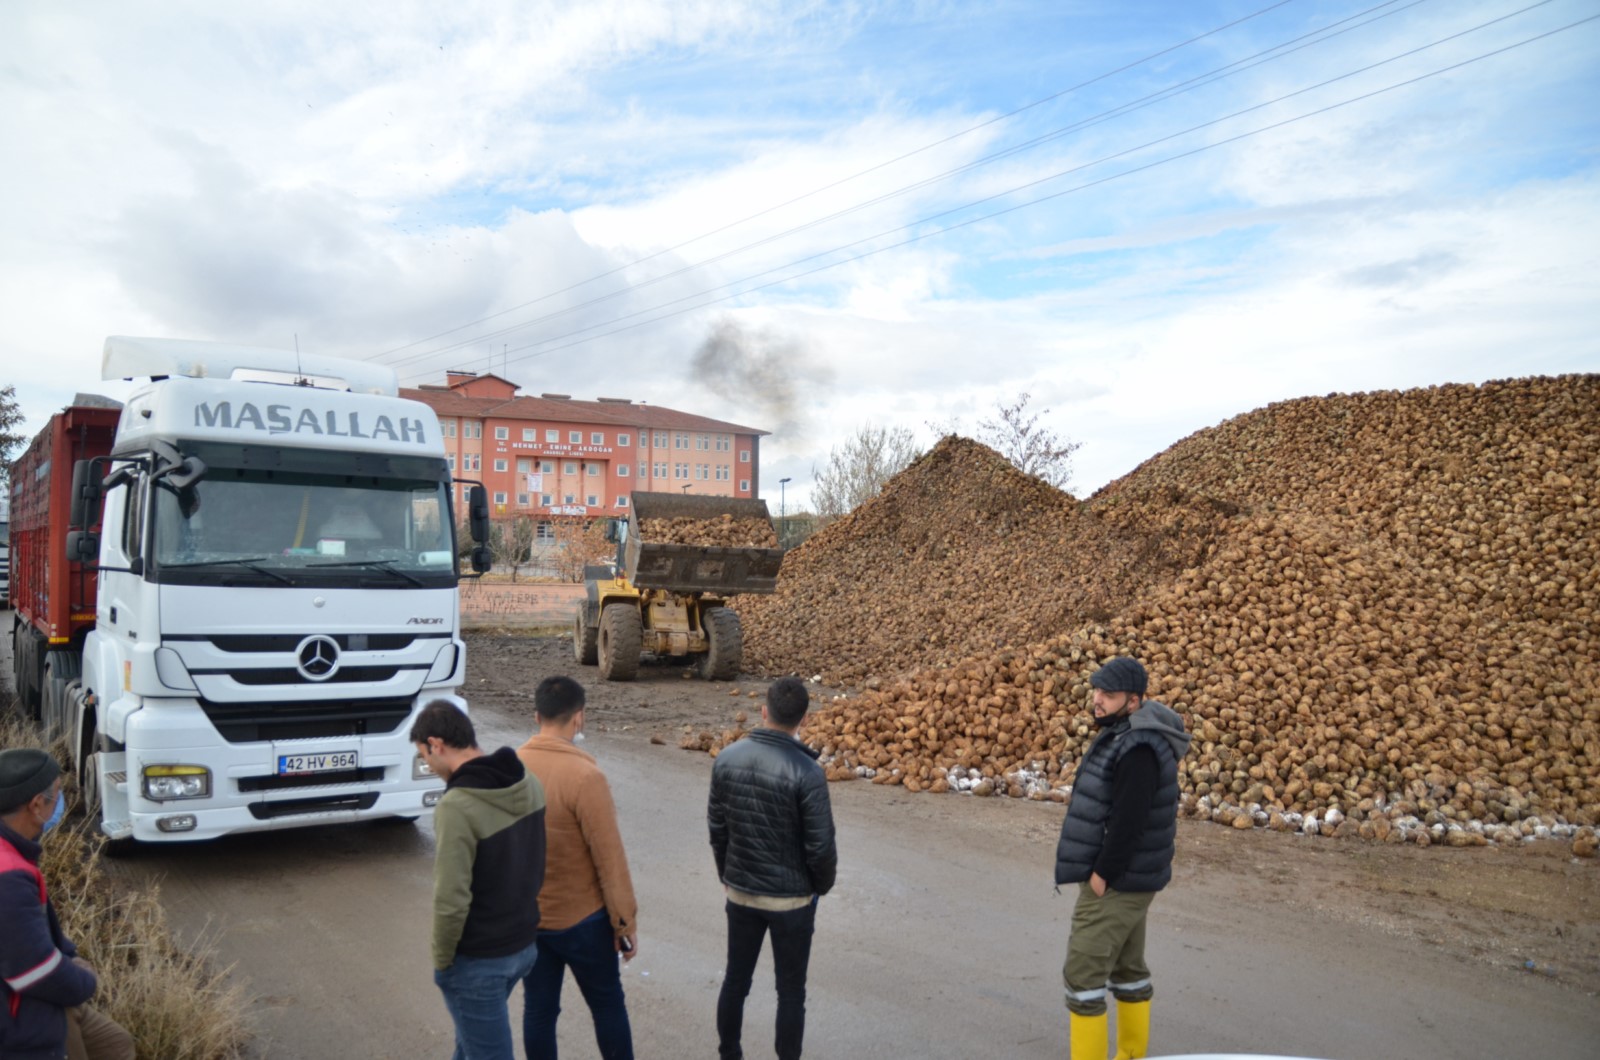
579	543
857	470
1030	446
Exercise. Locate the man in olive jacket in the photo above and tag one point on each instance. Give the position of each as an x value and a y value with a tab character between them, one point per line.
488	867
1117	841
772	836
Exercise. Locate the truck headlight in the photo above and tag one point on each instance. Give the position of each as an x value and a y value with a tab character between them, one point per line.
162	783
420	770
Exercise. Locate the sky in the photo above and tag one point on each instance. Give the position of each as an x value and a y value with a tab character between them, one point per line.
814	217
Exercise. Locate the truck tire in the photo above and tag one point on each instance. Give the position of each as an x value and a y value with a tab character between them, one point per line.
89	783
725	644
585	639
621	639
61	669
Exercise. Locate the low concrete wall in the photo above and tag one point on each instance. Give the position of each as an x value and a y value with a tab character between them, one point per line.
518	604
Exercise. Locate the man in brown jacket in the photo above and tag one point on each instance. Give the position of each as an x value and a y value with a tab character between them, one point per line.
586	906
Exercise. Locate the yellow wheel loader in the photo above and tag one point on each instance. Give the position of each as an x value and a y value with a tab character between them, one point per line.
670	600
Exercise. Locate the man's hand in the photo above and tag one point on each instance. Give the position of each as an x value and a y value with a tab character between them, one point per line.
628	946
1097	884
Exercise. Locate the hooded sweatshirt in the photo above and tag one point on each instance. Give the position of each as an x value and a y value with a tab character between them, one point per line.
489	863
1122	822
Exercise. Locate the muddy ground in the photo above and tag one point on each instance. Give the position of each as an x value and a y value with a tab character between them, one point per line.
1497	906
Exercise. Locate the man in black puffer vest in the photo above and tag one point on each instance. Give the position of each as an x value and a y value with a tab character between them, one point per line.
772	835
1117	842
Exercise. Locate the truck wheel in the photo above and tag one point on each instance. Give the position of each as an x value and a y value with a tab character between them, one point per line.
725	644
621	639
93	799
585	639
61	668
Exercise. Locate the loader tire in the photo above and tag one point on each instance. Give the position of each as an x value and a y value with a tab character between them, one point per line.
621	639
585	639
725	644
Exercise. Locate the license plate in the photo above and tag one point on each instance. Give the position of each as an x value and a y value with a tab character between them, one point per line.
320	762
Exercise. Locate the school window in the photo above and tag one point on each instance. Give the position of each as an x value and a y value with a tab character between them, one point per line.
524	466
449	428
552	435
593	501
502	434
702	471
569	467
500	499
546	499
524	501
724	443
499	465
744	485
575	437
661	471
702	442
591	469
542	530
622	470
530	434
450	461
624	440
744	456
661	439
472	462
622	502
472	430
724	473
681	440
680	470
571	498
598	438
547	467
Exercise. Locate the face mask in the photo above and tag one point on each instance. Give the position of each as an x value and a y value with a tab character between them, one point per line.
61	809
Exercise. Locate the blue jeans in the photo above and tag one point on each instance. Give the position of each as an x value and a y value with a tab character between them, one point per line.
791	955
475	991
590	950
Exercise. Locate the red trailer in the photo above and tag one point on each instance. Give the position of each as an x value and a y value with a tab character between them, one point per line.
53	600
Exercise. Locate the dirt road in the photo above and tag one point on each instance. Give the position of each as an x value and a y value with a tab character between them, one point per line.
943	937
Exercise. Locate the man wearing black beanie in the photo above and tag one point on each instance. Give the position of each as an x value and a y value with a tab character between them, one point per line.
44	985
1117	842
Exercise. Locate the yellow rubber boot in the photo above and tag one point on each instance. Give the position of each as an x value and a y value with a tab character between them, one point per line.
1133	1030
1088	1037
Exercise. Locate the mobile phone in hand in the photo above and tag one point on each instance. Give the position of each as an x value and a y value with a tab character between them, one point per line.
627	944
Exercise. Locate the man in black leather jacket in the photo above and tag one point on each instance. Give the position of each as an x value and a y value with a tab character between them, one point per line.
772	835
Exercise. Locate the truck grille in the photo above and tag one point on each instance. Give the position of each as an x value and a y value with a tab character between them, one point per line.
369	775
300	720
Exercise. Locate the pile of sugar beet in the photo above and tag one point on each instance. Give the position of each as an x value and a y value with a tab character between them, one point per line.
1377	614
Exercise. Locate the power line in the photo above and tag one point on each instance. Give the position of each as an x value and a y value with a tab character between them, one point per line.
855	176
1271	54
576	340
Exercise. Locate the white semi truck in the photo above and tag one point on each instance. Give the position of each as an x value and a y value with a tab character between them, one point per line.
235	597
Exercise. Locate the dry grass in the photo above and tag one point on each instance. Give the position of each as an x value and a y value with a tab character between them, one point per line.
174	1002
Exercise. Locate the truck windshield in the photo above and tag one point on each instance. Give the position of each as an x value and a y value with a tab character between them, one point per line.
300	529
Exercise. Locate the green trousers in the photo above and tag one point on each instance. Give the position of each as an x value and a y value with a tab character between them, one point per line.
1106	950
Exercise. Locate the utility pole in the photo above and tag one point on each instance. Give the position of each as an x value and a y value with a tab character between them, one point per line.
783	515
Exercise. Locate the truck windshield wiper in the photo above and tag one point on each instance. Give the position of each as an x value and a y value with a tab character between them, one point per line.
252	563
386	565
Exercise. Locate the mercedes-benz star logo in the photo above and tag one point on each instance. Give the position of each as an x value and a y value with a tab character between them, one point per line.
317	657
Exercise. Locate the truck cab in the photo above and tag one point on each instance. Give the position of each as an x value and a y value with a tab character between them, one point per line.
276	576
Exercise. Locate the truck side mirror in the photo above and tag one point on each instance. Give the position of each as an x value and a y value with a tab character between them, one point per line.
186	474
83	546
86	494
478	515
482	559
